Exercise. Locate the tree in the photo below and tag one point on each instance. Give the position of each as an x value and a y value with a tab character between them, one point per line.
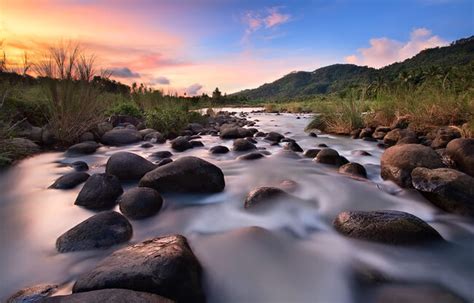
216	94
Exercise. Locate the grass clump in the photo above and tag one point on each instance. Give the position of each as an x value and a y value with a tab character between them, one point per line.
170	118
126	108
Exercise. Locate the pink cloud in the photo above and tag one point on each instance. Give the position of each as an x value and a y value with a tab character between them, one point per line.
385	51
275	18
270	18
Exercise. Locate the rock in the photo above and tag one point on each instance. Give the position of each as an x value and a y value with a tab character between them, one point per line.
33	294
70	180
355	133
100	231
449	189
313	134
312	153
195	128
288	185
329	156
99	192
79	166
251	156
22	146
461	151
155	137
118	137
414	293
444	135
165	266
243	145
181	144
392	137
353	169
87	136
369	139
146	131
293	146
401	122
164	161
196	143
274	137
360	153
380	132
186	174
390	227
104	127
114	295
366	133
124	120
263	194
30	132
128	166
408	140
141	202
146	145
162	154
322	145
397	162
83	148
234	132
259	134
48	137
251	140
219	149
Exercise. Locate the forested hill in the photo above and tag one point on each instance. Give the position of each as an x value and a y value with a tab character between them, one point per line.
339	77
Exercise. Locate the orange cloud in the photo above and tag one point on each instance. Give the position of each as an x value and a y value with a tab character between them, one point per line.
385	51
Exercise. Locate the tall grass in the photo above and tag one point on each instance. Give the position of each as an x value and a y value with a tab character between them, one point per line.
74	103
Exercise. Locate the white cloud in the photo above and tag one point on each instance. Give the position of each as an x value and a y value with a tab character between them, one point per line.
160	80
257	20
193	89
385	51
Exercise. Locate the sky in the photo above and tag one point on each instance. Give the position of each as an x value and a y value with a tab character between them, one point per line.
194	46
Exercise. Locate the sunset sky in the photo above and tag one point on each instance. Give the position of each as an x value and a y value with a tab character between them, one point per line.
195	45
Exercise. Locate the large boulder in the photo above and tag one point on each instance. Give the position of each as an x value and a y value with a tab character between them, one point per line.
219	149
70	180
331	157
390	227
99	192
100	231
186	174
353	169
444	135
243	145
141	202
155	137
181	144
161	154
83	148
104	127
274	137
165	266
293	146
312	153
231	132
263	194
109	296
128	166
449	189
461	151
398	161
33	294
121	136
393	136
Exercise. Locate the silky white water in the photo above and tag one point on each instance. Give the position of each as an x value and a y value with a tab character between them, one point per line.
288	252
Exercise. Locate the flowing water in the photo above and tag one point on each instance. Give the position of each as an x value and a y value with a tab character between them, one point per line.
287	253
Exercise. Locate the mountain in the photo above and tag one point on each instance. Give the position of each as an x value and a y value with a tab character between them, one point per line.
338	77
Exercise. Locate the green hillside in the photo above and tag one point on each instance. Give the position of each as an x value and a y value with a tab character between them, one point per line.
338	77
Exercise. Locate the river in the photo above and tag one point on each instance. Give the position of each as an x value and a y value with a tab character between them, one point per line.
287	253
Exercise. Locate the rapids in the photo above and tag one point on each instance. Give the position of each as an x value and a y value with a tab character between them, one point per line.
287	253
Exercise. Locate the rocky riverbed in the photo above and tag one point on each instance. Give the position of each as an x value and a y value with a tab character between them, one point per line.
248	209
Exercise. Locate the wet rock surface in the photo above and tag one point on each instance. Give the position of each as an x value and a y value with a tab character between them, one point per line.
449	189
219	149
119	137
165	266
128	166
33	294
139	203
99	192
70	180
109	296
186	174
390	227
83	148
243	145
263	194
98	232
397	162
353	169
461	152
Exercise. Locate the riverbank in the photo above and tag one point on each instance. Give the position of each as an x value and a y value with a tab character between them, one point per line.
283	215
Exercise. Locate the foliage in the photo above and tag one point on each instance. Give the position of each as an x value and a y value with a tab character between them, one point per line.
125	108
169	118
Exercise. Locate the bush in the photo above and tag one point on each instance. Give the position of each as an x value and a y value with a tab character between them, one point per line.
125	108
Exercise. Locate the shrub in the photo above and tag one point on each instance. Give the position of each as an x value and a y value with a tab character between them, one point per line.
73	100
125	108
167	119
